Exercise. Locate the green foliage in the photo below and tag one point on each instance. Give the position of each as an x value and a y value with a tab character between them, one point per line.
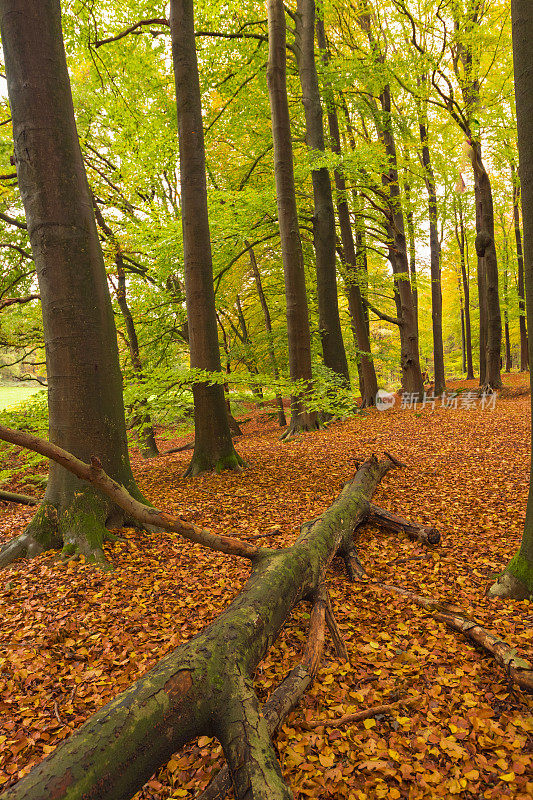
31	416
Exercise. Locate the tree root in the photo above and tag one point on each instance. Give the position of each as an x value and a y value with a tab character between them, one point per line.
41	534
354	569
516	581
301	423
232	462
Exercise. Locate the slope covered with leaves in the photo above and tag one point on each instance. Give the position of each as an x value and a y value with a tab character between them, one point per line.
72	637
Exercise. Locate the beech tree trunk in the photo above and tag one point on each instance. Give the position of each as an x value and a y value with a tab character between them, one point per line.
517	579
507	338
86	410
434	246
491	336
268	325
299	337
524	358
205	686
213	445
324	217
412	247
411	373
461	241
410	362
354	277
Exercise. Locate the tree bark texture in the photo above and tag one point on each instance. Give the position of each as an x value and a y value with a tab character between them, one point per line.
85	400
324	216
517	579
299	337
213	445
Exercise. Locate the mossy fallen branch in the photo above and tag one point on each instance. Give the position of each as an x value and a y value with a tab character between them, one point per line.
205	686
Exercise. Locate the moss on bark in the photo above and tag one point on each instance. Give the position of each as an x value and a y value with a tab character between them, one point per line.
516	582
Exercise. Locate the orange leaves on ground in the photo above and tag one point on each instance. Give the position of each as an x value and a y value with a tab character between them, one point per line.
72	637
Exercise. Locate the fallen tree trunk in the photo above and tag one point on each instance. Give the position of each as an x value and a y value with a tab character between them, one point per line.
392	522
23	499
205	686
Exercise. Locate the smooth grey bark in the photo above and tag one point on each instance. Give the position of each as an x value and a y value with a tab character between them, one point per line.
517	579
213	445
299	336
86	410
354	273
324	216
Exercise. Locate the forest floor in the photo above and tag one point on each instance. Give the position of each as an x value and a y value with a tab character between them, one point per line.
72	637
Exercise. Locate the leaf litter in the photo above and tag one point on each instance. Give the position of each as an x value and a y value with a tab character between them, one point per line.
72	637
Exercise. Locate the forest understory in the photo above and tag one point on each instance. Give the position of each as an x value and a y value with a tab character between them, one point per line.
72	637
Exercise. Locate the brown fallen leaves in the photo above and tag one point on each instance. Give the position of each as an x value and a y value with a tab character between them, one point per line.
71	637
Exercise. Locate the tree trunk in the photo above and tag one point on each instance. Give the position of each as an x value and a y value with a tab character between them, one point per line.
434	246
213	446
463	338
249	359
517	579
268	325
410	363
489	309
205	686
412	246
354	278
412	381
299	337
142	420
235	428
461	241
86	410
508	359
463	330
324	217
524	359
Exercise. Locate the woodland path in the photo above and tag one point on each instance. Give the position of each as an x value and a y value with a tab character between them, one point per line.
71	638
